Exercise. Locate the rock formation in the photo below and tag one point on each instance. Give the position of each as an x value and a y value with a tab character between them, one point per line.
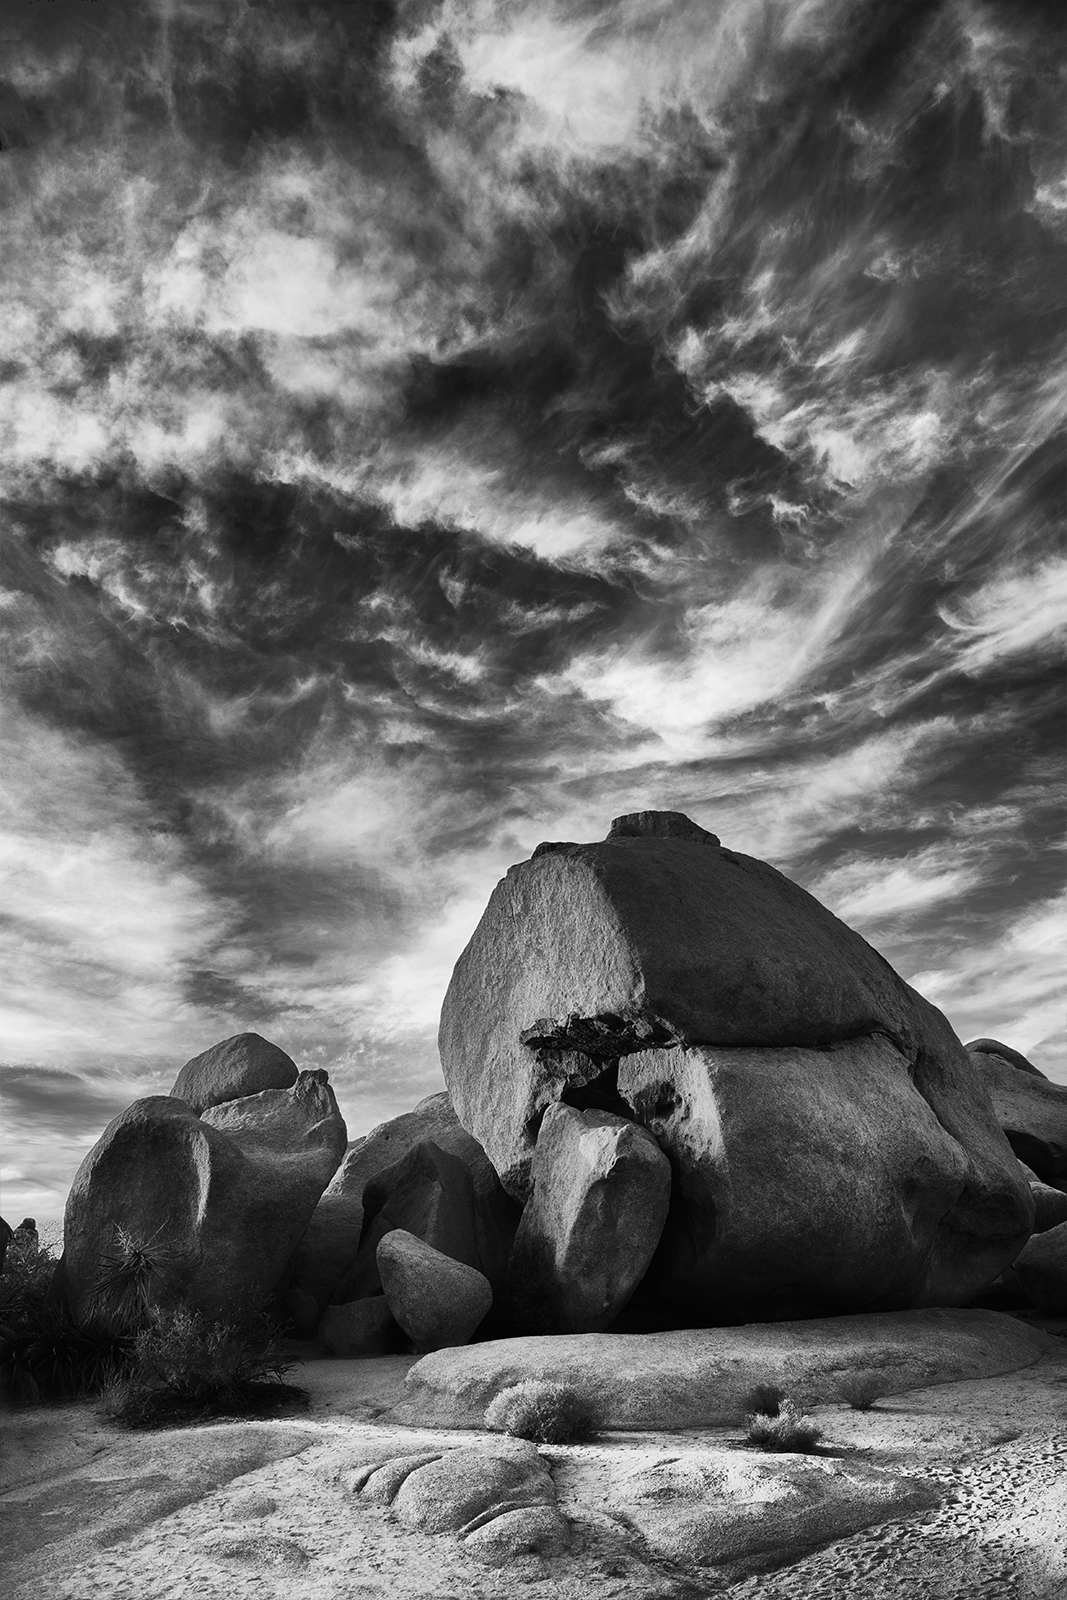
601	1186
328	1250
215	1203
832	1147
437	1300
232	1069
1031	1110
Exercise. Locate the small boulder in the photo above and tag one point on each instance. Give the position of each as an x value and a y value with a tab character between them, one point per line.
329	1248
601	1187
439	1302
1041	1269
220	1209
243	1065
360	1328
428	1193
1030	1109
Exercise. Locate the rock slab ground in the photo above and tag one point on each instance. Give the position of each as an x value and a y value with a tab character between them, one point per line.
953	1491
700	1377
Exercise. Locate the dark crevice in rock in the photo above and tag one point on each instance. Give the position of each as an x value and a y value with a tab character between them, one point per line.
605	1037
599	1094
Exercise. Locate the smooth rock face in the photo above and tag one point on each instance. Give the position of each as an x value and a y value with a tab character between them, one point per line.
223	1209
1041	1269
716	1506
1050	1205
232	1069
437	1301
499	1498
1014	1058
701	1377
1031	1110
601	1187
328	1250
808	1182
655	971
361	1328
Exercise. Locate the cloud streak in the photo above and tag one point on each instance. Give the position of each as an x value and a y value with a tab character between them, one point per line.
428	430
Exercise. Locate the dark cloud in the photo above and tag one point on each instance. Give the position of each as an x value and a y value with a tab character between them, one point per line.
434	427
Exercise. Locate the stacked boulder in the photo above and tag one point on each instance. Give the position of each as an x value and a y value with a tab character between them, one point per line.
831	1146
421	1176
203	1194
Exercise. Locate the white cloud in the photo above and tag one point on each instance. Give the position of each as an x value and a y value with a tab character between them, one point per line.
1012	988
867	892
1016	613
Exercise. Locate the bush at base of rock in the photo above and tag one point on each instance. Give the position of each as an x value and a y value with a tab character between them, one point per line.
787	1431
184	1368
360	1328
546	1413
437	1301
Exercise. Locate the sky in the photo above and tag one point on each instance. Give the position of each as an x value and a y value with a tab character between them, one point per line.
434	426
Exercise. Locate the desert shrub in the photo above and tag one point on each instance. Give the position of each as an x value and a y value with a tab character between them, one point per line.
764	1400
547	1413
132	1276
787	1431
859	1389
44	1353
185	1367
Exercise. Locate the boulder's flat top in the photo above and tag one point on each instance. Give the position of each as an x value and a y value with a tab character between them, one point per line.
951	1490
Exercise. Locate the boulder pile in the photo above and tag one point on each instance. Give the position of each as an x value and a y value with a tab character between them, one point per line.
681	1094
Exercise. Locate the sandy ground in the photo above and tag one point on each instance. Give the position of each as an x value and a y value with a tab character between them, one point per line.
91	1512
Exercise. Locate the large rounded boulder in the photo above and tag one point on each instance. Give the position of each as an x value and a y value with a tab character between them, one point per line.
831	1144
204	1210
242	1065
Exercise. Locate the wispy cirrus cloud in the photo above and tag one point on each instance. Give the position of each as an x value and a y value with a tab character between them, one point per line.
431	430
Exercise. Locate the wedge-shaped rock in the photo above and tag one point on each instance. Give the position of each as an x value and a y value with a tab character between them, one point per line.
328	1250
428	1193
1031	1110
1041	1269
219	1209
243	1065
601	1186
439	1302
816	1181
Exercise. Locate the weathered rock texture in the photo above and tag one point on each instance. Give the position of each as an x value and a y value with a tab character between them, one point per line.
328	1250
1031	1110
498	1498
601	1186
694	1378
660	977
232	1069
437	1300
220	1207
1041	1269
809	1181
